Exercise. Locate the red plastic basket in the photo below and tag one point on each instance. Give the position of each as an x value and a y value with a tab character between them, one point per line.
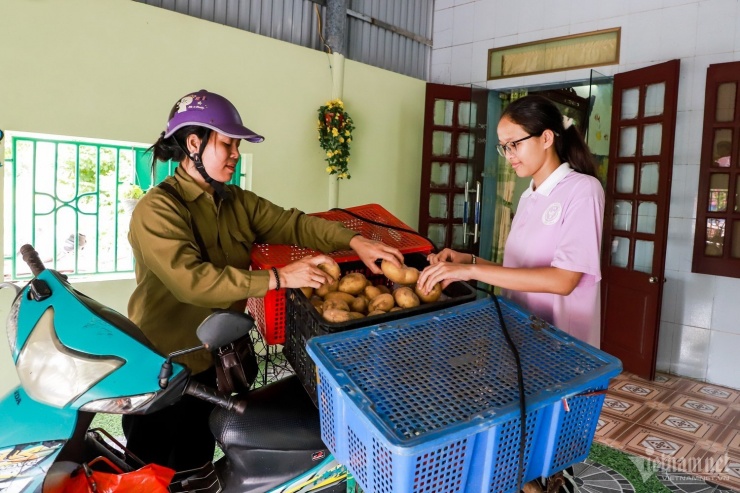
269	312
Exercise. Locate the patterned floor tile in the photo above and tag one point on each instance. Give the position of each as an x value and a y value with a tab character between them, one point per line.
702	408
655	445
681	423
621	406
609	429
689	429
714	393
638	390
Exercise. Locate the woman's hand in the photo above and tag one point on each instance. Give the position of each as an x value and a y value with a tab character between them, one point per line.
370	250
445	273
449	255
304	273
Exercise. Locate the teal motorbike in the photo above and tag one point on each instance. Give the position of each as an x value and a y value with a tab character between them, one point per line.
74	355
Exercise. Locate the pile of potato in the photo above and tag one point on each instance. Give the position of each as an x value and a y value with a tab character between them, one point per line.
353	296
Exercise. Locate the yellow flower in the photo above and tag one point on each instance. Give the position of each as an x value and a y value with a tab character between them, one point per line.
341	140
329	154
328	169
338	151
334	132
348	159
349	140
346	133
343	175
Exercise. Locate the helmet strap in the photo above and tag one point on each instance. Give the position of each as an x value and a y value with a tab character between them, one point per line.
218	187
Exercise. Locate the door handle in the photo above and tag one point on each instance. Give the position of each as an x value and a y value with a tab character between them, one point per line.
653	280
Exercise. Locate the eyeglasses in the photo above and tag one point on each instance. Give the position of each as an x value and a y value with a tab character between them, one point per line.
503	149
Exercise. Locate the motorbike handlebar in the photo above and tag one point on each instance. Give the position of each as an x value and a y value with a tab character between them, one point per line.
31	257
208	394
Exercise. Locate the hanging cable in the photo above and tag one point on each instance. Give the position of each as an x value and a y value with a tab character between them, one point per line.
321	35
507	336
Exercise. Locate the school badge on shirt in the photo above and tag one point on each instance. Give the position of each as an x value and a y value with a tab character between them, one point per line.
552	214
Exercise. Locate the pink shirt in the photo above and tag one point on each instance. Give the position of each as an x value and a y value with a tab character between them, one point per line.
559	225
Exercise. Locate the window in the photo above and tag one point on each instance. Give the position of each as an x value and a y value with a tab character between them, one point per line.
717	239
65	197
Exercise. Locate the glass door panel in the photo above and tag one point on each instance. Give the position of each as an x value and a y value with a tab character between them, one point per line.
623	215
625	178
443	109
654	99
630	103
646	213
726	94
441	143
649	174
651	139
440	177
722	148
628	142
620	251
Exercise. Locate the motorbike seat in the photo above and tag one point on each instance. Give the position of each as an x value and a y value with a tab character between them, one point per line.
279	416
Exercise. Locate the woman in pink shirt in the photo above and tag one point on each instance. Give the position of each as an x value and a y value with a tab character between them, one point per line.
552	255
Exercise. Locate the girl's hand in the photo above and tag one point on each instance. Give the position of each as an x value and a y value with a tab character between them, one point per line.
305	273
449	255
370	250
445	273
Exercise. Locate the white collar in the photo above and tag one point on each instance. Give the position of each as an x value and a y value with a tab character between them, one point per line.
550	182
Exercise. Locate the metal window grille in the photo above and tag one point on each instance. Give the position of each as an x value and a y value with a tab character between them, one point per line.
64	196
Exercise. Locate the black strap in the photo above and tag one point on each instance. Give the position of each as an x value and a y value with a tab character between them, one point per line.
198	239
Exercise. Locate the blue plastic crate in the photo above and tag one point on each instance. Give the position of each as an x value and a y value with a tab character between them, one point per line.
431	404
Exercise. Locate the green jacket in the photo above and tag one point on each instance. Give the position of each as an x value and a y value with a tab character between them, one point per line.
176	290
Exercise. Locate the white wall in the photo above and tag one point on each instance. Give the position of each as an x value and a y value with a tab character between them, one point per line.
699	333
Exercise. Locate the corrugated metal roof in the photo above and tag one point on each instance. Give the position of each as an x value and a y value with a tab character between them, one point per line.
390	34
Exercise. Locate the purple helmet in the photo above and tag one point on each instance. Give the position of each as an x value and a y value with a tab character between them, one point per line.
208	109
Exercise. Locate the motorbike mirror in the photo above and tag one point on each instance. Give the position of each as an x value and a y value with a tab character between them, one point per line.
224	327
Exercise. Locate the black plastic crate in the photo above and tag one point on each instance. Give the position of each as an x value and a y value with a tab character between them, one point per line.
304	322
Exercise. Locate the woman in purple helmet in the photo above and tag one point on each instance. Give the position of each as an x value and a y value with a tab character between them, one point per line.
192	237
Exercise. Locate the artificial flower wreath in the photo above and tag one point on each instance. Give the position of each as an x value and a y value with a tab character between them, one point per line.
335	135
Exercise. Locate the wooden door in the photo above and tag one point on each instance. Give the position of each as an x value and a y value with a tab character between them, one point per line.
636	213
452	166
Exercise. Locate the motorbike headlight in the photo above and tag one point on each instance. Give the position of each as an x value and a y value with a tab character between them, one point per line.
54	374
12	325
119	405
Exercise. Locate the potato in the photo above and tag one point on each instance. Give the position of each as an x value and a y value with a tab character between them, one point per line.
433	295
353	283
383	289
405	297
335	305
376	312
332	269
307	292
404	275
371	292
316	300
337	316
356	315
381	302
396	309
359	304
327	288
338	295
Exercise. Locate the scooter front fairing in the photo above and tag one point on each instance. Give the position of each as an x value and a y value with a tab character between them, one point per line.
61	343
63	350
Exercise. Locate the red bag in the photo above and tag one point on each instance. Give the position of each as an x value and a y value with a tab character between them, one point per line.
151	478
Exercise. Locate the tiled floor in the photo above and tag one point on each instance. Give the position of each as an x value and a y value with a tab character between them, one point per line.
681	424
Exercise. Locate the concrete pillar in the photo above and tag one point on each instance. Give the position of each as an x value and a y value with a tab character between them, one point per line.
336	28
